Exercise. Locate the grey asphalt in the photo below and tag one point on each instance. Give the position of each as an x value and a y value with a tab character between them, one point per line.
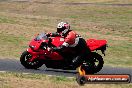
13	65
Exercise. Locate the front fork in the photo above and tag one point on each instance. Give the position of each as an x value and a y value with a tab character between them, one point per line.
34	55
37	54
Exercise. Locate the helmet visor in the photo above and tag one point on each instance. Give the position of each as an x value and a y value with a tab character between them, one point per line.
59	30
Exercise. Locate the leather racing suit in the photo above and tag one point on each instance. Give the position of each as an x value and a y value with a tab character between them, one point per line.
73	40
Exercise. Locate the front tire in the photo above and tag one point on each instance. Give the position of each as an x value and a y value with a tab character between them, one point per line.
24	59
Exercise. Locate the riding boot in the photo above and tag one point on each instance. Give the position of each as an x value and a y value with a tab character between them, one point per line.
77	61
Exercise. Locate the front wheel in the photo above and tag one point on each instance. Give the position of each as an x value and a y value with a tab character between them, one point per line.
93	64
25	61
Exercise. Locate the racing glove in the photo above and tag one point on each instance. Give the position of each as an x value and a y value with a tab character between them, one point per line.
53	34
60	48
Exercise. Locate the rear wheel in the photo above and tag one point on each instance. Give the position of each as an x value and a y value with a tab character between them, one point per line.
94	64
25	61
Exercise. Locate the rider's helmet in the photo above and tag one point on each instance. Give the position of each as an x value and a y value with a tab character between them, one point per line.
63	27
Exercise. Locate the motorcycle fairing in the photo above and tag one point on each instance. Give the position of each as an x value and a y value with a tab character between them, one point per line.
94	44
35	44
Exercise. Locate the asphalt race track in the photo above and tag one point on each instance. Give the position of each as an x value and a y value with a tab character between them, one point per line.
13	65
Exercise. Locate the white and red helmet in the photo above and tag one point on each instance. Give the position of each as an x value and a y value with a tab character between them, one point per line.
63	27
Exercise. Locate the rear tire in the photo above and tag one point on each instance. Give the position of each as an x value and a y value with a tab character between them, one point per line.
24	59
90	67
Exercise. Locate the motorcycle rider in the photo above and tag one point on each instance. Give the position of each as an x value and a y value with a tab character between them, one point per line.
73	40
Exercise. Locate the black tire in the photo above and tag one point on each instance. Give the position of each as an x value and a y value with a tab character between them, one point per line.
24	59
91	67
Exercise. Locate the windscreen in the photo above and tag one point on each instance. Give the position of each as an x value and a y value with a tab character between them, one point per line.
41	36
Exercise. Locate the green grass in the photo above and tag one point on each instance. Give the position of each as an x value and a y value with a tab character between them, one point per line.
7	20
11	45
33	80
36	76
6	80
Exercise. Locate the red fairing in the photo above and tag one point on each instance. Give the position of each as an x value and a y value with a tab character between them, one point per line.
55	56
36	44
94	44
36	51
43	53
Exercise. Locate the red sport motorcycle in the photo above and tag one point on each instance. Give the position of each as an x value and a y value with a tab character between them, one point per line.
38	54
